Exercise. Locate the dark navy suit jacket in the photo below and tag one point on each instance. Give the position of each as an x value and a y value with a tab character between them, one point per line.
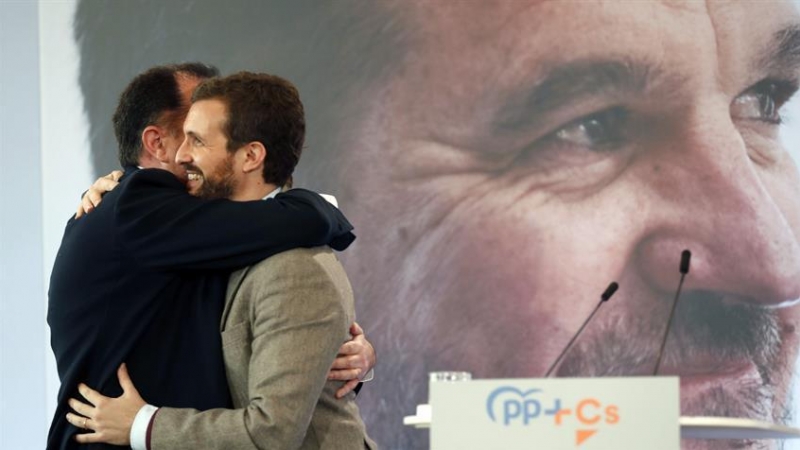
142	280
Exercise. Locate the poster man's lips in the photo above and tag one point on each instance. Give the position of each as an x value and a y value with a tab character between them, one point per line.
741	371
735	392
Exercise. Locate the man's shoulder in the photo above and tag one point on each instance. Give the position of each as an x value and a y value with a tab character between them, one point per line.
298	258
143	189
294	267
306	278
151	178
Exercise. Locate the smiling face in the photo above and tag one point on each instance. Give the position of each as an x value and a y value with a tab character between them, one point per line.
204	155
532	152
172	127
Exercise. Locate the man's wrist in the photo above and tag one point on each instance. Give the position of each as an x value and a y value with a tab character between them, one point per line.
139	428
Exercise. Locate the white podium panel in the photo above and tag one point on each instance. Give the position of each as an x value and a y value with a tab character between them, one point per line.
556	414
734	428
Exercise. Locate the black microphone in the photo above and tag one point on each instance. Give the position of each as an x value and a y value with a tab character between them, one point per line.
686	255
603	298
609	291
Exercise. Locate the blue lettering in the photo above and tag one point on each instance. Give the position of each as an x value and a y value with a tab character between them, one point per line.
532	410
511	410
556	408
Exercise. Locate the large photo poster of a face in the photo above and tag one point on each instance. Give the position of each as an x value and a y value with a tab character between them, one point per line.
503	161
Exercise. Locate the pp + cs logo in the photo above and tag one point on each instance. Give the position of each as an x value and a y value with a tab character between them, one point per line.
510	406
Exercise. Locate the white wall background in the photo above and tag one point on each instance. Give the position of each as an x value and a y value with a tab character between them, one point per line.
22	350
66	166
44	166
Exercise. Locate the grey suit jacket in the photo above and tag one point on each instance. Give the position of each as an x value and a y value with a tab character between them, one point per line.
284	321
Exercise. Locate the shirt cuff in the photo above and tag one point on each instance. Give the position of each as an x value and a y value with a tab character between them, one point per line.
139	428
369	376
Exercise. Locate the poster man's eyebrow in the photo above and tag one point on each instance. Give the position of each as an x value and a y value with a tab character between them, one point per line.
782	54
573	81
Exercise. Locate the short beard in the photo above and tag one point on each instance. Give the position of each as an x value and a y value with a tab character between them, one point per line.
220	184
705	329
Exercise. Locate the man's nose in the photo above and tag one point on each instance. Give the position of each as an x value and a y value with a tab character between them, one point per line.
733	216
182	155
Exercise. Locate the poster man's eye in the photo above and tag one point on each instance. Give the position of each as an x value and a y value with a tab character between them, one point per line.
763	101
600	131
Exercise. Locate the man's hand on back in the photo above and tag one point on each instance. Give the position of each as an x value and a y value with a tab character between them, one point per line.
355	360
109	419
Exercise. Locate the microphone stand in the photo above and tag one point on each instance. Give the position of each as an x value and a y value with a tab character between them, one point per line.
686	255
603	298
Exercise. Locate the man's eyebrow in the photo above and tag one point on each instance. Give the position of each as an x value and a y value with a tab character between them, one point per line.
567	83
782	54
193	134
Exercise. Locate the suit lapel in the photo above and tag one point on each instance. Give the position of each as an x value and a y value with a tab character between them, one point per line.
234	282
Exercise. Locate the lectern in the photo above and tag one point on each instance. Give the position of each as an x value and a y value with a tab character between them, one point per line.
572	413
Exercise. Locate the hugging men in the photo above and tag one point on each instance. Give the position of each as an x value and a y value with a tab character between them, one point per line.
142	278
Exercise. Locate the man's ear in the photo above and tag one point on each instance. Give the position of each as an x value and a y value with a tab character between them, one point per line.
254	156
153	143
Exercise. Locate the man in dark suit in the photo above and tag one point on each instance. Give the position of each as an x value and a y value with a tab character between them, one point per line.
142	279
